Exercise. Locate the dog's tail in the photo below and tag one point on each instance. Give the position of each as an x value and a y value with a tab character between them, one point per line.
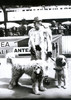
9	57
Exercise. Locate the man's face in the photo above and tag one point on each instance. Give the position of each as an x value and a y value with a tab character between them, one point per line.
36	24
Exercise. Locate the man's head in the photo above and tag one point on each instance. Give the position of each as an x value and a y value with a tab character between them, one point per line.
37	23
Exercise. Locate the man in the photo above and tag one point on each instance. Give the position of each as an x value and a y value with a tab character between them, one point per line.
40	41
36	39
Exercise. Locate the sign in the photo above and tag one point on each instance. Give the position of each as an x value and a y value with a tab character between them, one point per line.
6	46
21	50
5	50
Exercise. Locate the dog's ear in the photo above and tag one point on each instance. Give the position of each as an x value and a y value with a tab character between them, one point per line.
65	59
34	67
58	61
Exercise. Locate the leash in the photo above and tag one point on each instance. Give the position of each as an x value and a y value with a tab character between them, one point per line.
52	59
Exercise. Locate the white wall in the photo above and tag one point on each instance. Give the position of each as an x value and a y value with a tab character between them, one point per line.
54	13
66	44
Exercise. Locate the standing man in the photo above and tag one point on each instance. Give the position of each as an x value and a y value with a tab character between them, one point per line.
40	41
47	47
36	39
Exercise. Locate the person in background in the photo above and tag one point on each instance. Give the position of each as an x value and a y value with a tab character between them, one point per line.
23	28
14	31
47	47
61	29
54	27
9	33
2	32
49	39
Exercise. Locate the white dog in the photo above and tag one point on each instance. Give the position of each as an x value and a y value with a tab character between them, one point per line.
36	69
61	70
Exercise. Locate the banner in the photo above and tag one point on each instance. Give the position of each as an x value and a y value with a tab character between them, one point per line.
11	44
6	46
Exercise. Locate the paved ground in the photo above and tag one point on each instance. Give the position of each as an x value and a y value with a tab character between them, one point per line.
24	90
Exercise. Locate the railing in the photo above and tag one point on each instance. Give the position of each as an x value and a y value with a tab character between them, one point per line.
19	45
56	45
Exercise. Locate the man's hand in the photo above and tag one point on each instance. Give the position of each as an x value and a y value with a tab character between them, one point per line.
49	54
32	51
38	47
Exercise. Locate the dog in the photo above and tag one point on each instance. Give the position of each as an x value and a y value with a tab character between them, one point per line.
36	69
61	71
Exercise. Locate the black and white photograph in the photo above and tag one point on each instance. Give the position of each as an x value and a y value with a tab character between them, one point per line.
35	50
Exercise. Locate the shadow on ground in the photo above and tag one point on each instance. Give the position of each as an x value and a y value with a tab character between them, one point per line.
27	82
24	89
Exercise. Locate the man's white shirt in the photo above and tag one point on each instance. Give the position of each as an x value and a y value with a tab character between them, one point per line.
36	37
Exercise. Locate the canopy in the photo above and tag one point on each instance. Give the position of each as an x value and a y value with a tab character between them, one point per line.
67	23
45	24
9	25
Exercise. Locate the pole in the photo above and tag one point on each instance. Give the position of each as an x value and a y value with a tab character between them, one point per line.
5	18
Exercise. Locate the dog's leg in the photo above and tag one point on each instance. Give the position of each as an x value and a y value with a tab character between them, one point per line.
35	87
56	79
41	87
16	74
59	81
65	82
65	85
65	78
11	84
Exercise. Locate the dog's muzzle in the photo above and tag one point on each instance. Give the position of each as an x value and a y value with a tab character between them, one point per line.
64	63
38	71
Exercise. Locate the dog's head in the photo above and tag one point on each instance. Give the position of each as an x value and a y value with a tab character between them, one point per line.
38	69
37	73
61	60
